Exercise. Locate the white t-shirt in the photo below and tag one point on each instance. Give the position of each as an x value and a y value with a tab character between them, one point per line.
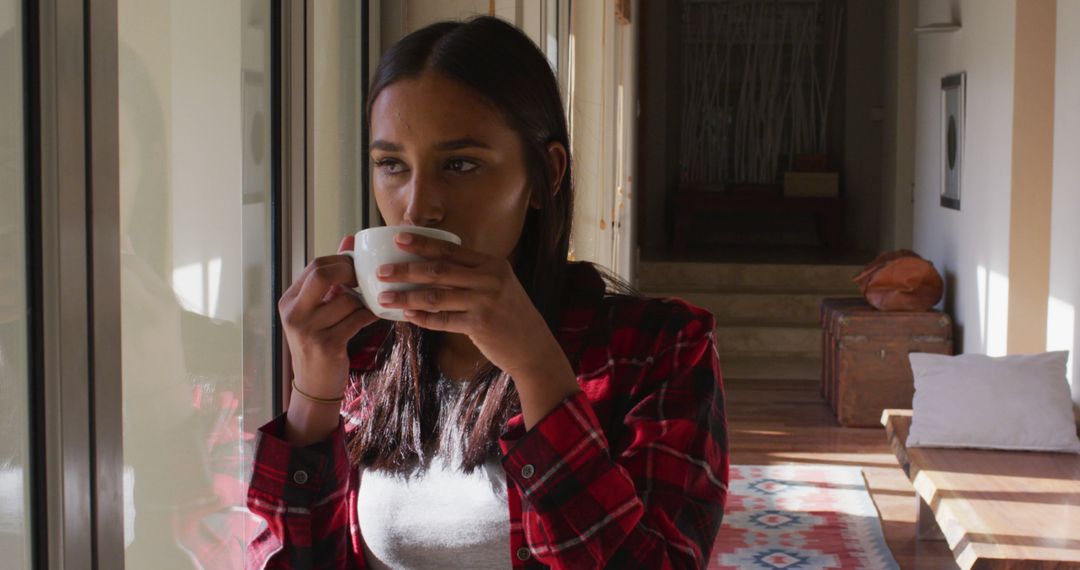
436	516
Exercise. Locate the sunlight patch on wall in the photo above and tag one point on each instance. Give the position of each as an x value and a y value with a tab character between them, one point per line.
187	282
213	270
993	291
982	283
198	285
1061	330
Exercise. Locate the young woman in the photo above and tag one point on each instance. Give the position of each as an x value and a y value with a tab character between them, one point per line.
528	414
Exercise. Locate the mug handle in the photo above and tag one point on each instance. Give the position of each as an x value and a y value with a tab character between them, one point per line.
351	291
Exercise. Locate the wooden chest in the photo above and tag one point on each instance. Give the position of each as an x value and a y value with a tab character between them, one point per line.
865	366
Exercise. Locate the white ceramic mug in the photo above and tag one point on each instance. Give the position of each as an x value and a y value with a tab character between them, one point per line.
374	247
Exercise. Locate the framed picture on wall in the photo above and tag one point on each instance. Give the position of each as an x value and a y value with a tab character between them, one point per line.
952	138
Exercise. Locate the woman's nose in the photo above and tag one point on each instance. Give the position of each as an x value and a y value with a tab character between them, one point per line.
424	203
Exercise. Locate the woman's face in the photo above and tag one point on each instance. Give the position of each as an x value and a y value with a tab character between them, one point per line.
443	157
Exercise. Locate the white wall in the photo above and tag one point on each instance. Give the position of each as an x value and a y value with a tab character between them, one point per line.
1062	332
970	247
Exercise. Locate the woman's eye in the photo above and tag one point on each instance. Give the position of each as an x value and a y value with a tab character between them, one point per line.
461	165
390	166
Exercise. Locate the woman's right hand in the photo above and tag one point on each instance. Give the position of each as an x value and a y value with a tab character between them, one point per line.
319	319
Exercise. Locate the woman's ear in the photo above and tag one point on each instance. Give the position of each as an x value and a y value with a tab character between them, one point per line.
557	160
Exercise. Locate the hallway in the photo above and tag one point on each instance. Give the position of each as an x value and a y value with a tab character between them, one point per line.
765	300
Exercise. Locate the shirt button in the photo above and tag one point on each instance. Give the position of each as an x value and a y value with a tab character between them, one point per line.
527	471
523	553
300	477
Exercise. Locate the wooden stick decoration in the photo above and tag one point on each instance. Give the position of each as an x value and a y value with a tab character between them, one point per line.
755	91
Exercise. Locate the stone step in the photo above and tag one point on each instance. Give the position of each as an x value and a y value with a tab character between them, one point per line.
771	368
688	276
765	340
753	306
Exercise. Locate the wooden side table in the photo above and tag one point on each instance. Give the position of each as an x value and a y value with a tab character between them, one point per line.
865	360
686	203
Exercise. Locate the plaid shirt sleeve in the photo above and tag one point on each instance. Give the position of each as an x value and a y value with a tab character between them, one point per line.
301	493
655	497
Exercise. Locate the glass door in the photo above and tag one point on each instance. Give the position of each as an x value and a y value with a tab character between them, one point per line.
196	251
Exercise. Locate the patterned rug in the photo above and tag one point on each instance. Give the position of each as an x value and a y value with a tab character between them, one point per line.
800	517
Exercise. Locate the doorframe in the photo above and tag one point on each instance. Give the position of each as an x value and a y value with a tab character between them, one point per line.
75	364
103	216
293	189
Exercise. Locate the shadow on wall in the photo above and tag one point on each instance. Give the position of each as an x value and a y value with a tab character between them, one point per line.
949	306
1061	334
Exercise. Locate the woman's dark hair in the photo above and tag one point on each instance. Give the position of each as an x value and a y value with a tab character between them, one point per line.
502	65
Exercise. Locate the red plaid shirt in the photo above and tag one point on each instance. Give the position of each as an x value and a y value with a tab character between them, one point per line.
630	472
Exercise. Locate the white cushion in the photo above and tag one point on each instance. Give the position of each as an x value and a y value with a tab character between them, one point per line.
1009	402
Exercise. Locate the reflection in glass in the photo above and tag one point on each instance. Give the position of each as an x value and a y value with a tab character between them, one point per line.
14	349
195	178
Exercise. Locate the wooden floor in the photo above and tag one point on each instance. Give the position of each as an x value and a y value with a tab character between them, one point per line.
786	421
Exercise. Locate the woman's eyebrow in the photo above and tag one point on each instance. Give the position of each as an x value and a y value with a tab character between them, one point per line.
455	144
458	144
379	144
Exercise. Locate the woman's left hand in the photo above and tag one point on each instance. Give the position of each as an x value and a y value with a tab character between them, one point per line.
475	294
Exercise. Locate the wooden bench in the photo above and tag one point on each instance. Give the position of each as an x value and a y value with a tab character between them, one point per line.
687	202
996	509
